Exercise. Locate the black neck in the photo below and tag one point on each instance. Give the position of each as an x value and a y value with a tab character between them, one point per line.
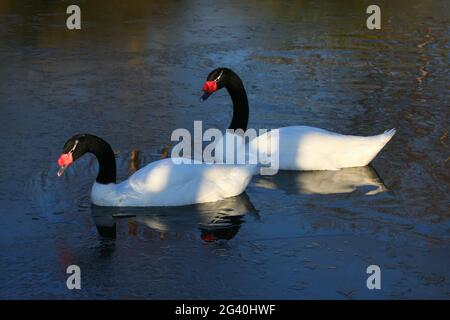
238	95
106	160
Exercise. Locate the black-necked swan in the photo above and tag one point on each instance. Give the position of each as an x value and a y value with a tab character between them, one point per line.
160	183
298	147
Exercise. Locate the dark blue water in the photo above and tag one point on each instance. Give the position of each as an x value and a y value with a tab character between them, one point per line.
134	73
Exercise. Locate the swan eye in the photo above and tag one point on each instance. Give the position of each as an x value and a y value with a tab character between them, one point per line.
219	76
74	146
68	148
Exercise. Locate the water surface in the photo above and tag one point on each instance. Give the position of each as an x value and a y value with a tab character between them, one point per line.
134	73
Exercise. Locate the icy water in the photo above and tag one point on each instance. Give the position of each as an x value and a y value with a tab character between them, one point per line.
134	73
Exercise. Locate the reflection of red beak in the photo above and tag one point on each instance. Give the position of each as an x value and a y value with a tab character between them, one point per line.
64	161
208	237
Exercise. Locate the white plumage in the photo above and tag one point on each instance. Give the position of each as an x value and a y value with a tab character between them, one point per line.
164	183
308	148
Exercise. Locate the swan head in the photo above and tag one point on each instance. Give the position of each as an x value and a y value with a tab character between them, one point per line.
73	149
216	80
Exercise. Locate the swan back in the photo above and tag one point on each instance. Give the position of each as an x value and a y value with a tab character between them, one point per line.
308	148
164	183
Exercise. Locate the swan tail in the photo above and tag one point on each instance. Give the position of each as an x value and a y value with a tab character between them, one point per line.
388	134
383	139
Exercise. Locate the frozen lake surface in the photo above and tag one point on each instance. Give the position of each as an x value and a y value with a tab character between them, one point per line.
134	73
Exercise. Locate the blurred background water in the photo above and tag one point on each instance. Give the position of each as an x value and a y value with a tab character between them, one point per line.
135	72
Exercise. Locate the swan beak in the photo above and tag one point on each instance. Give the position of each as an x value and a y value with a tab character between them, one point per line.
64	161
61	170
205	96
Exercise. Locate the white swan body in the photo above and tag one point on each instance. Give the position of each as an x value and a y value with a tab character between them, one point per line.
308	148
164	183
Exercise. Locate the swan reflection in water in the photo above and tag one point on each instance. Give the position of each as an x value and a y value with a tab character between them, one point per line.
214	221
324	182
